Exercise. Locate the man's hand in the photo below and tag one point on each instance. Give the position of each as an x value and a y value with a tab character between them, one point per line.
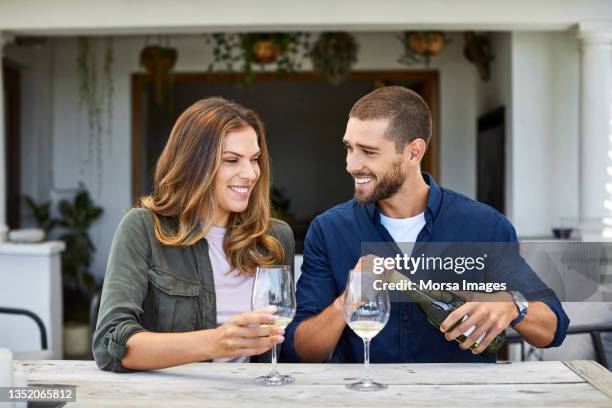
490	313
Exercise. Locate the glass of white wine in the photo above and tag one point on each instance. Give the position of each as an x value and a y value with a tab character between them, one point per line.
366	311
274	287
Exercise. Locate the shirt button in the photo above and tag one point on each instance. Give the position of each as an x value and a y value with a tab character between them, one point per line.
405	318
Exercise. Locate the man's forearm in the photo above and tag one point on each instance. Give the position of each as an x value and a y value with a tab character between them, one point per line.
316	338
539	326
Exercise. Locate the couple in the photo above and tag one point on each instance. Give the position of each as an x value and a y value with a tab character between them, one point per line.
181	268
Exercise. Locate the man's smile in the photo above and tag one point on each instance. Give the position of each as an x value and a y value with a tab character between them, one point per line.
363	180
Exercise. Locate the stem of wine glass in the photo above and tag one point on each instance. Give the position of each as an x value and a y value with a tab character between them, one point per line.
366	360
274	371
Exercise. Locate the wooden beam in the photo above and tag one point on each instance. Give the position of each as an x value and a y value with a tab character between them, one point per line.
593	373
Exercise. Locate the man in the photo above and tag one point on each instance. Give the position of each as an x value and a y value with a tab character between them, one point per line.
386	138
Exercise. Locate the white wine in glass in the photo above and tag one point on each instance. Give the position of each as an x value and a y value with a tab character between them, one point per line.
366	311
280	322
273	286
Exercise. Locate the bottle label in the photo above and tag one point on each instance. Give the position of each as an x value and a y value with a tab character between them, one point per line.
471	329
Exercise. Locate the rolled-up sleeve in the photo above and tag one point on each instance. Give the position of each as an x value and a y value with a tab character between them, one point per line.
520	276
123	292
316	288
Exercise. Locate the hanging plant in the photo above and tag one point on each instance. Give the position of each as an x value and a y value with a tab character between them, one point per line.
88	85
95	99
159	60
478	51
420	46
285	50
333	55
265	50
226	51
109	59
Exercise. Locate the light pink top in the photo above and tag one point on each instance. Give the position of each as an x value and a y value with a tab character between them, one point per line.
233	291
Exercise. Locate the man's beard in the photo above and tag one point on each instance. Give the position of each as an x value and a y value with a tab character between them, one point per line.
388	185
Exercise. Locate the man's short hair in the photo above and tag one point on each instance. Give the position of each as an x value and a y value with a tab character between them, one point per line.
408	114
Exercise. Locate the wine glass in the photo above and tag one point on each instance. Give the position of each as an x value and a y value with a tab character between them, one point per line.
366	311
274	287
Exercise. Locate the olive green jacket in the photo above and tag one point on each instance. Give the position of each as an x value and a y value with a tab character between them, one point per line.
158	288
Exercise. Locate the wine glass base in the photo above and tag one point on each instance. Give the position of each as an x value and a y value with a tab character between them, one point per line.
274	380
366	386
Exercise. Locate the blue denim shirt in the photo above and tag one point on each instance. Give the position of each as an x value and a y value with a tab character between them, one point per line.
333	247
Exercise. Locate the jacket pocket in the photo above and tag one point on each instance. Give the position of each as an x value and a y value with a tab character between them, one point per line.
175	299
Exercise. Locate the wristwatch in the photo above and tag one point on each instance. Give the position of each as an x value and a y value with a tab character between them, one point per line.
521	304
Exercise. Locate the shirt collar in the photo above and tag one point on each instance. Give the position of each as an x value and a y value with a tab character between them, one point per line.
434	201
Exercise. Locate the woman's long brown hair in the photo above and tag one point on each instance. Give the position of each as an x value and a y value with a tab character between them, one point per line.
184	185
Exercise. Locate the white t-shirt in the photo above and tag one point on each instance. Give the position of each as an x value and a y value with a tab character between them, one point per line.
403	229
233	291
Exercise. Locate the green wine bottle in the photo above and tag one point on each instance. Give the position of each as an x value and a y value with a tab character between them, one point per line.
436	305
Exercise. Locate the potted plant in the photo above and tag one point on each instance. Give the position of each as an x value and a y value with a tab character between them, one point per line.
264	49
422	45
158	61
78	284
42	214
285	50
333	55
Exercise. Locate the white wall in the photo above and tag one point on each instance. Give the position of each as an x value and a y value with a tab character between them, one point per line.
544	177
75	17
565	100
536	76
531	67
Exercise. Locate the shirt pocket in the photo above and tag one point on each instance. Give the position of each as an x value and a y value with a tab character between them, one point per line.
175	299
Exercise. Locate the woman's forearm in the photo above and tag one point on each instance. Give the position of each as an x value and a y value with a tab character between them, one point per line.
151	351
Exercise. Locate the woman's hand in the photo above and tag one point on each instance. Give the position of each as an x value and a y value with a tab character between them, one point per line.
244	335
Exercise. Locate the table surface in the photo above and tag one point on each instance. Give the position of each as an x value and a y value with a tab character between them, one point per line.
542	383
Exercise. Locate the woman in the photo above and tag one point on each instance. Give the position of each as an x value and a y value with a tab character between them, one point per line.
178	283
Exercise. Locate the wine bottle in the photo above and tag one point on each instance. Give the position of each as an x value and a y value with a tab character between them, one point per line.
436	305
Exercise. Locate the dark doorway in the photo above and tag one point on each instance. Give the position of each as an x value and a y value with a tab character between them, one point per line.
491	159
12	115
305	119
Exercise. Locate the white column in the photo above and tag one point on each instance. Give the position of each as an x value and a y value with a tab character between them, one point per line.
4	39
595	104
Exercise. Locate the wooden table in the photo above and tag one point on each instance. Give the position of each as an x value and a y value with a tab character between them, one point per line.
532	384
